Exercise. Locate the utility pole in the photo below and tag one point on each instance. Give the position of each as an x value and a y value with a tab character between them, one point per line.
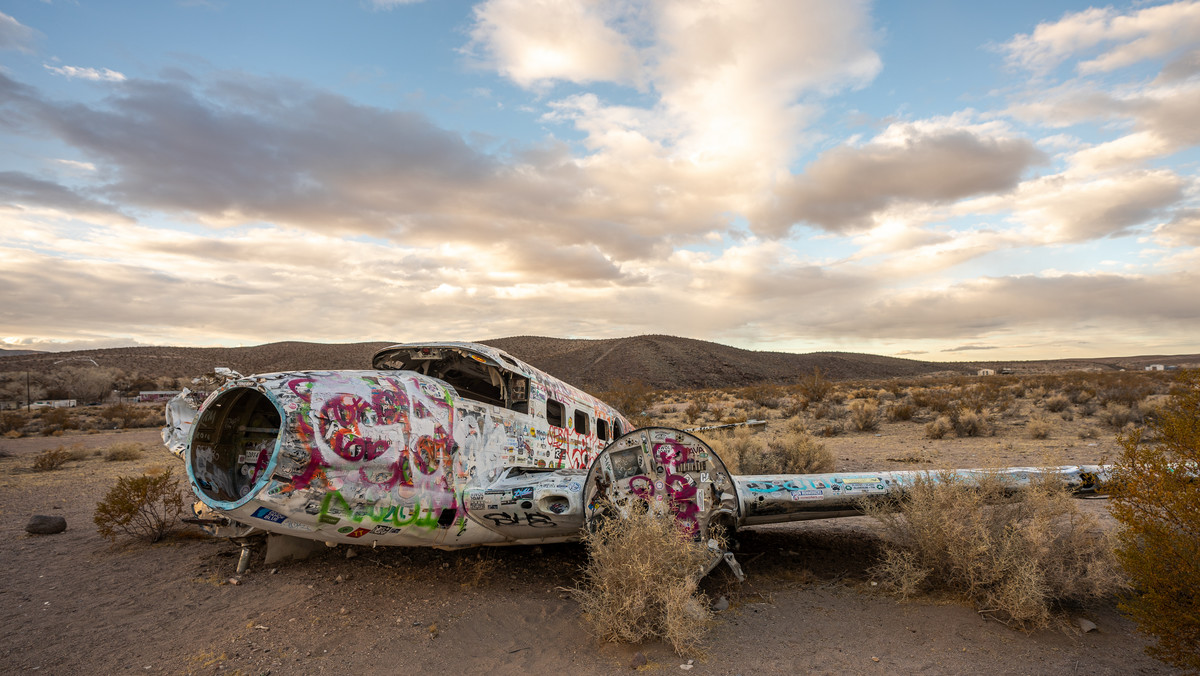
27	391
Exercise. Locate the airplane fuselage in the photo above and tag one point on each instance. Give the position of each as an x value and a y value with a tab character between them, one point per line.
401	456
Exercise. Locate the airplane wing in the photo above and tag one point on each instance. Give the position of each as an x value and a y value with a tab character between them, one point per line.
672	471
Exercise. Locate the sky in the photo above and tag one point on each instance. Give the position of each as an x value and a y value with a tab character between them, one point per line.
929	179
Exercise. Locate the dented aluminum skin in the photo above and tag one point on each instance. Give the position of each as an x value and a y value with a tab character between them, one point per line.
458	444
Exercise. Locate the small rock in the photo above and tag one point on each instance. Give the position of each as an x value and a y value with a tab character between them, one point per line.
339	578
721	604
350	553
1085	625
40	524
874	659
342	611
639	660
234	581
274	570
685	667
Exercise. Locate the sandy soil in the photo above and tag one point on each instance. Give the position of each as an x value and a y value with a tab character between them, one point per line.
74	604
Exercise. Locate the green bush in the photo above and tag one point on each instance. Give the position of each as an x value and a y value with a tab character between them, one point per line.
1156	499
140	507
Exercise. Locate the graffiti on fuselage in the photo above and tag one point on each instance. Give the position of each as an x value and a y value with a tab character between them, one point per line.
393	452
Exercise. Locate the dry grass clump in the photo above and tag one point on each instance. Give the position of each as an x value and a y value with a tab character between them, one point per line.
51	459
140	507
1118	415
641	581
864	414
1016	554
900	411
1039	427
1056	403
123	452
797	452
970	423
742	451
938	428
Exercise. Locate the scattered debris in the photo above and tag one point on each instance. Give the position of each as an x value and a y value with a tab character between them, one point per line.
1085	625
721	604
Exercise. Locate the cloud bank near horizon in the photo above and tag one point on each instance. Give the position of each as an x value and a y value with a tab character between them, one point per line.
688	184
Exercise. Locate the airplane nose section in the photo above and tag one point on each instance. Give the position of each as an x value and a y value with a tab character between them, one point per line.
234	444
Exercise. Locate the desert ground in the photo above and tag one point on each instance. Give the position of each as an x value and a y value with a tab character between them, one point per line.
75	603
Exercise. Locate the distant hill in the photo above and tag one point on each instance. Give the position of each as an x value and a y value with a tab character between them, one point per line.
668	362
662	362
4	352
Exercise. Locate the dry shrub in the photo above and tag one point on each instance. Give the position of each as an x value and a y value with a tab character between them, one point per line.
140	507
831	429
1039	427
828	410
864	414
11	422
1056	403
901	411
695	410
742	451
815	387
123	452
969	423
631	397
55	420
938	429
797	452
1156	495
51	459
1088	432
641	580
1118	416
77	453
763	394
1016	554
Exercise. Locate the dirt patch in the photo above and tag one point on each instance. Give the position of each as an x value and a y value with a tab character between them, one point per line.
75	604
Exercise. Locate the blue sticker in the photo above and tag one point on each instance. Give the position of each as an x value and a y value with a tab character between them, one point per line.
268	515
523	493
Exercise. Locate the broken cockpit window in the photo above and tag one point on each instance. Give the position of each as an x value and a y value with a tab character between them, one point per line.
473	376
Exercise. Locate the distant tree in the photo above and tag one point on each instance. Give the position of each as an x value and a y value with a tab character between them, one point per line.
1156	498
85	383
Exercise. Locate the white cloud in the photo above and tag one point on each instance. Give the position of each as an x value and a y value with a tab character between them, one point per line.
98	75
534	43
1142	34
15	35
1064	208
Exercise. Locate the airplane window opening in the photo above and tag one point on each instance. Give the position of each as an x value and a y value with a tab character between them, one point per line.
581	422
602	429
233	442
554	413
616	429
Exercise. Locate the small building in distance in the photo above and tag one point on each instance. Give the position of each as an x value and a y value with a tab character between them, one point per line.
987	372
53	403
1156	367
157	395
